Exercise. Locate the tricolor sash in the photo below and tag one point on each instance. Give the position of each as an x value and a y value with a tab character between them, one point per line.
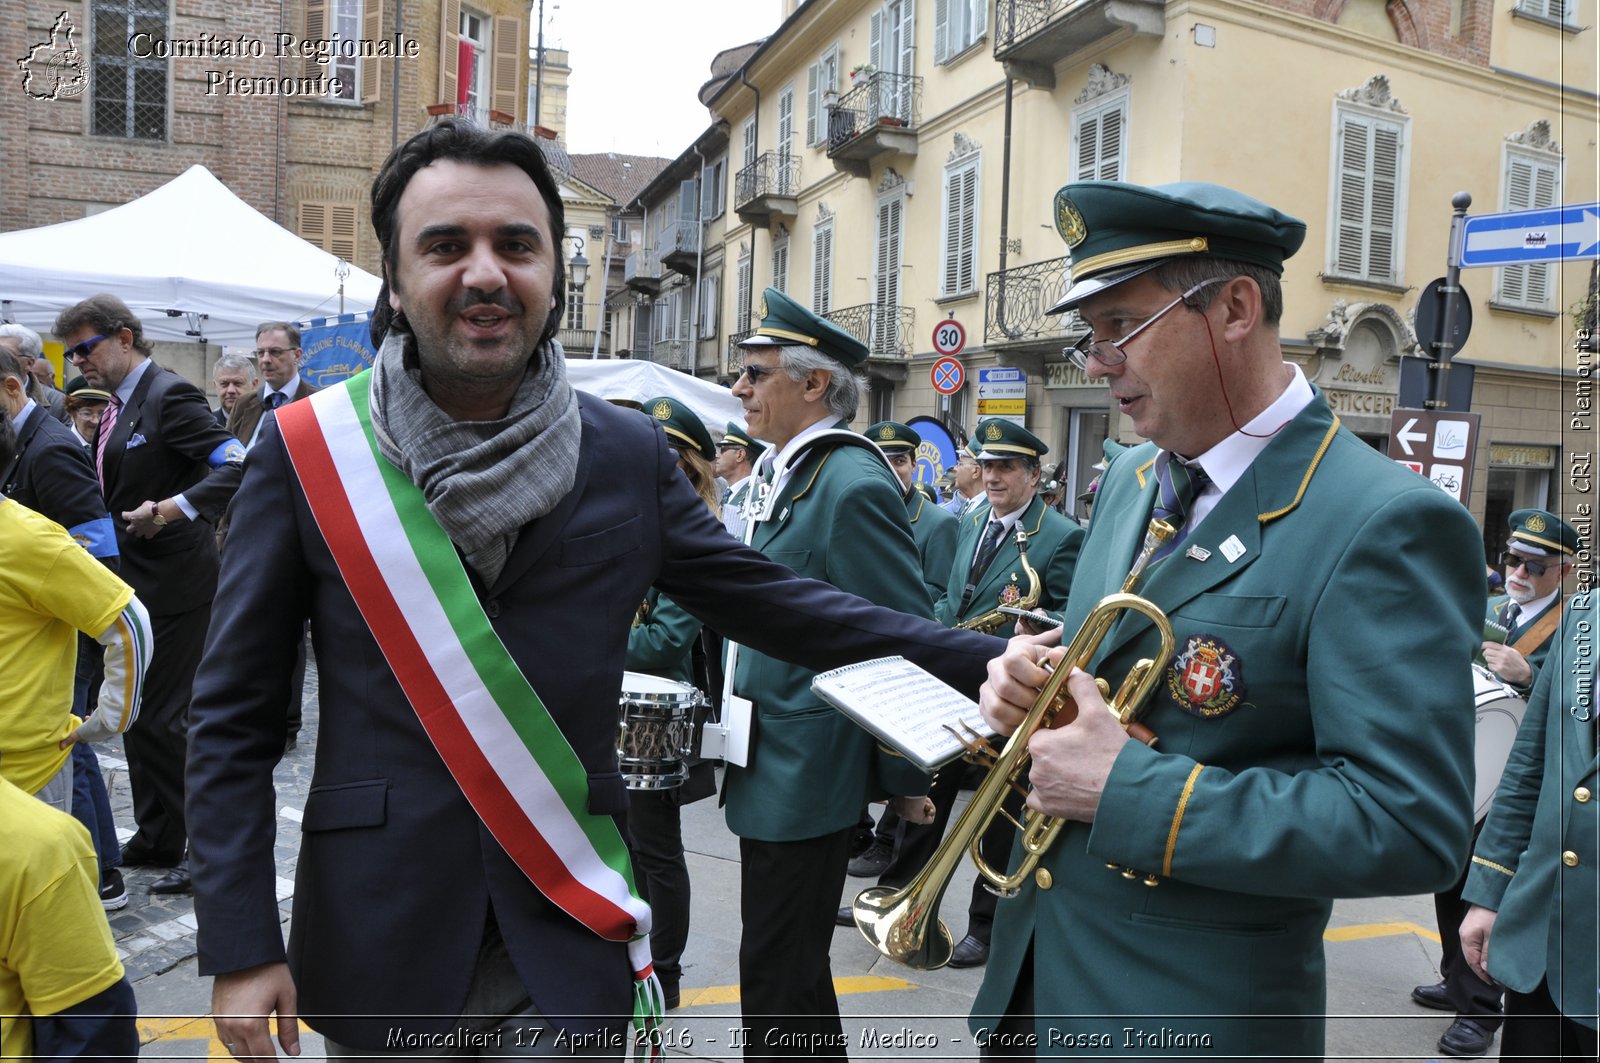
493	732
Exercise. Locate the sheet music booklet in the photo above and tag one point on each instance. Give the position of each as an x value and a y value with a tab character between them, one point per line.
904	706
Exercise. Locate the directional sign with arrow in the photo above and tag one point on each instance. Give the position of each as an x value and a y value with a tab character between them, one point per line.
1439	445
1558	234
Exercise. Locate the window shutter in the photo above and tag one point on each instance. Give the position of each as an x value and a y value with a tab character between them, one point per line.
1354	178
780	265
371	76
1111	138
1088	160
822	270
312	224
785	143
750	142
1531	184
813	102
949	281
330	226
742	311
1367	215
904	62
1385	216
508	57
449	51
710	305
969	230
941	30
980	18
642	315
316	30
875	40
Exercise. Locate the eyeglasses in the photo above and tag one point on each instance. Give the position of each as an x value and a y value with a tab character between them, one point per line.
1535	568
903	458
756	372
81	350
1107	352
276	352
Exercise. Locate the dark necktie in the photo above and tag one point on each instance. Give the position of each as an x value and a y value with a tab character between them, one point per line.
1178	485
1513	614
275	400
986	551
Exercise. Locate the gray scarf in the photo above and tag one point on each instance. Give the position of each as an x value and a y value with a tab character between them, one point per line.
483	480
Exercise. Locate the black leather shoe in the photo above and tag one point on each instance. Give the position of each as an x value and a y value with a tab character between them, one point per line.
132	857
177	881
871	863
970	952
1466	1038
1433	996
844	918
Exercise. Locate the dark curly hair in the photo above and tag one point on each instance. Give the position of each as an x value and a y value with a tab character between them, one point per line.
459	141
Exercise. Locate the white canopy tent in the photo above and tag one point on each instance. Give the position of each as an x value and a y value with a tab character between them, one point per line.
187	249
623	380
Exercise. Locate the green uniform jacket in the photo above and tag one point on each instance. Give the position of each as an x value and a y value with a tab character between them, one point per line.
934	530
1053	545
1314	743
1536	861
663	645
840	518
1496	612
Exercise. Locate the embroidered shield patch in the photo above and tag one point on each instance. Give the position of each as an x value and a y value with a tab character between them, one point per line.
1207	678
1010	594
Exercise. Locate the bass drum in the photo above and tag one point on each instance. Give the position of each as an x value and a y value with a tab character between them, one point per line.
1499	712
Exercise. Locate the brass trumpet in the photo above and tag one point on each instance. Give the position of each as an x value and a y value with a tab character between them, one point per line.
903	924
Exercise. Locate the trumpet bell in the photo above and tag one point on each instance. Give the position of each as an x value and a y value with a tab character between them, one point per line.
888	919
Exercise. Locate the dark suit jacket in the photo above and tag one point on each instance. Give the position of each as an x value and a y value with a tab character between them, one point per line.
53	475
396	875
247	411
165	443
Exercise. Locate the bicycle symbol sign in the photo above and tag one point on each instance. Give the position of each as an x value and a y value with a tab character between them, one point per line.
948	376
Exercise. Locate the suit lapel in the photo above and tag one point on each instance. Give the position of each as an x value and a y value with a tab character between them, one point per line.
127	424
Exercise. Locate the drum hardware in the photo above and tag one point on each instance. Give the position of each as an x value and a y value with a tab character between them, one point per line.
1499	713
658	729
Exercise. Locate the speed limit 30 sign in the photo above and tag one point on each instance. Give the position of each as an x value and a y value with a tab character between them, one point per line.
949	337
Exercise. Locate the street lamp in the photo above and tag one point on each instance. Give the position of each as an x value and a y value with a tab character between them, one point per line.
577	265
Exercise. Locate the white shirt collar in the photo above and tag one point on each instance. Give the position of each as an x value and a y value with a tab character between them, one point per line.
22	414
131	381
1225	463
790	449
287	390
1535	607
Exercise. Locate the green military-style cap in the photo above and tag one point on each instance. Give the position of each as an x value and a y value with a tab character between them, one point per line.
1540	532
1115	231
78	388
784	321
1001	439
682	425
973	448
892	435
738	436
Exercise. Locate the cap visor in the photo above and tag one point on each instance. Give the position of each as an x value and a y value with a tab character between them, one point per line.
1083	289
761	341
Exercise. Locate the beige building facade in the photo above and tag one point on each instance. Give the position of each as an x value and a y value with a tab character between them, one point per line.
893	165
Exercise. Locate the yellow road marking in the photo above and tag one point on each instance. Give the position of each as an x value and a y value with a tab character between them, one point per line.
1363	931
170	1028
862	983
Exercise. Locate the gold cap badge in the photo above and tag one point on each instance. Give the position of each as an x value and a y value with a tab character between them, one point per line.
662	411
886	433
1069	223
992	433
761	311
1535	523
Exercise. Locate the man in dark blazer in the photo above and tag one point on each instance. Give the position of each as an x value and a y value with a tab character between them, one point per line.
167	472
1324	604
278	357
410	918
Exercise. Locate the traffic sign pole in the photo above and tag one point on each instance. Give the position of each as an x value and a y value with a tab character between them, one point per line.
1445	343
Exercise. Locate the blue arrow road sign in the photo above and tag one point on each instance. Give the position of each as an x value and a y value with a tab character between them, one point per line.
1553	235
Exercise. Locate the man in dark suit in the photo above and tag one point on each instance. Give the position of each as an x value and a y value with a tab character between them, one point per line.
167	472
26	344
545	516
234	377
278	356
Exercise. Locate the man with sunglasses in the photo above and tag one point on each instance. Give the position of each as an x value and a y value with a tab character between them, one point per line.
168	472
1538	555
1311	734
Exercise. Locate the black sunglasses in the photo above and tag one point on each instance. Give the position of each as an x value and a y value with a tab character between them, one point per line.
1535	568
756	372
81	350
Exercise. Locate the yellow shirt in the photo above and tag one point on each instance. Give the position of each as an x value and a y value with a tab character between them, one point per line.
55	945
50	589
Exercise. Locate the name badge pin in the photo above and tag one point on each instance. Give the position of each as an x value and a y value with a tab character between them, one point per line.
1232	548
1199	553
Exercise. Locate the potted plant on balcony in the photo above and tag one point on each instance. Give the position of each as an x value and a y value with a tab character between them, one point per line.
862	70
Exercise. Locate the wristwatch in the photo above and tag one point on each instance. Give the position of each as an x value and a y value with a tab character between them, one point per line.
156	518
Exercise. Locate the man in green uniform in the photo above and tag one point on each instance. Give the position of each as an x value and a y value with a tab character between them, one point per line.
831	509
1533	887
1325	606
1537	556
737	453
933	528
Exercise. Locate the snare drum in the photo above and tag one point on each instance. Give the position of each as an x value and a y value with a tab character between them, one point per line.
655	731
1499	715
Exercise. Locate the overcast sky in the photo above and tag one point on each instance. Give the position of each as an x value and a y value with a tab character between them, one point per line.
637	64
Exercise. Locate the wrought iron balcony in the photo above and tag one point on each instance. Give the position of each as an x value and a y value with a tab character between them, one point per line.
736	352
1030	36
679	249
1015	305
579	342
877	117
641	270
674	354
885	329
768	186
